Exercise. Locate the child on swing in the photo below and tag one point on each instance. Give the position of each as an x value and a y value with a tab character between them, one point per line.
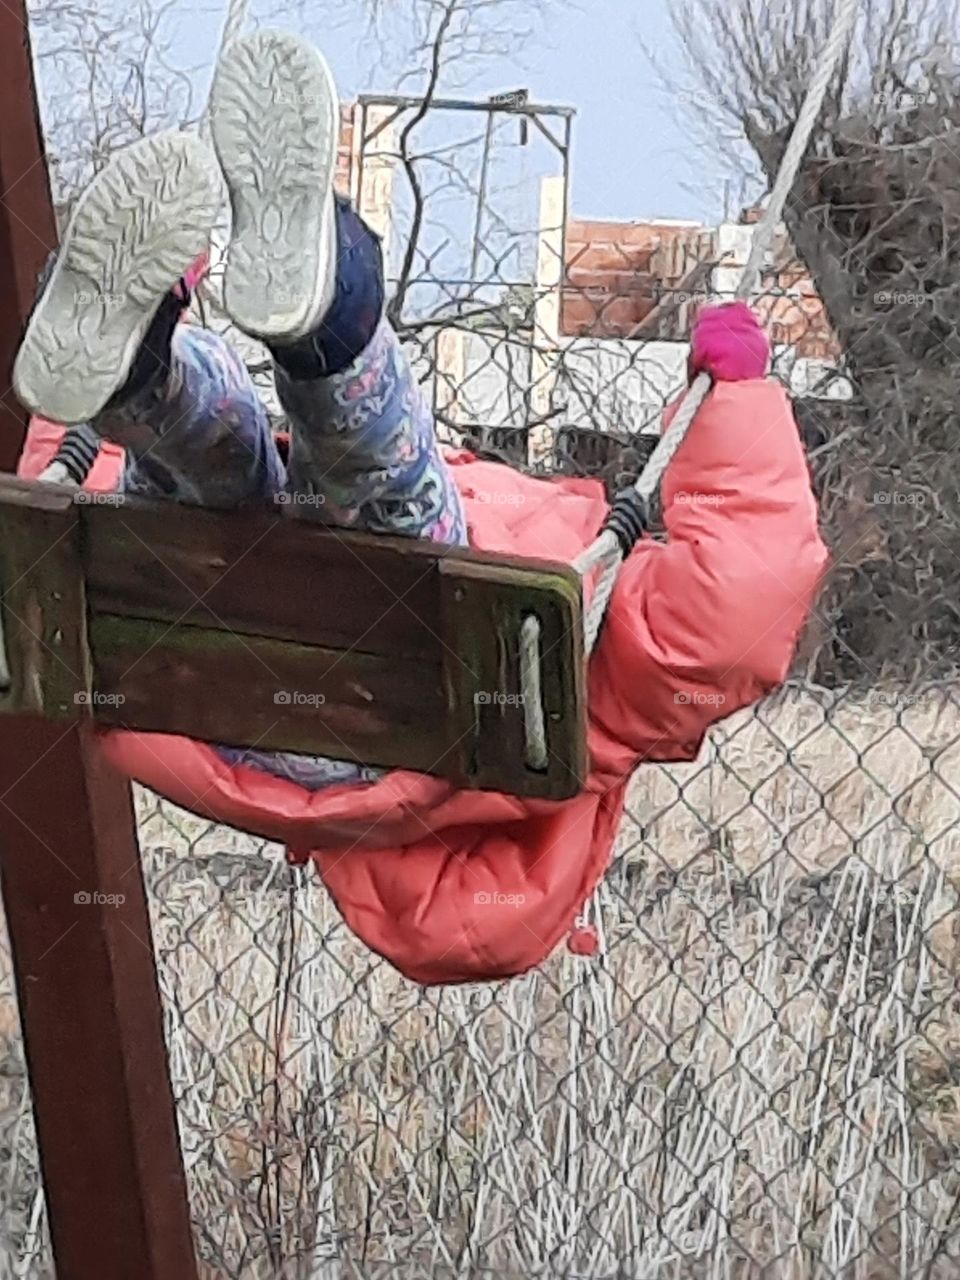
718	608
303	275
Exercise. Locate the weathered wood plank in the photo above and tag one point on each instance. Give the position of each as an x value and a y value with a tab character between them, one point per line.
259	573
200	620
27	225
42	605
271	694
90	1008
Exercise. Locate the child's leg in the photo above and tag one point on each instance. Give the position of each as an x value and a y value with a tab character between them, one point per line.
200	434
105	344
305	274
363	435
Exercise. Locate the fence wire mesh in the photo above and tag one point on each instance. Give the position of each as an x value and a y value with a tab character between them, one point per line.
759	1074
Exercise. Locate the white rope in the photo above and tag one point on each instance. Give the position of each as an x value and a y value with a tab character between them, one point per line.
606	551
531	693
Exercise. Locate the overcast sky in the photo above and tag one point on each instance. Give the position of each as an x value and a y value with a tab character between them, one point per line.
632	156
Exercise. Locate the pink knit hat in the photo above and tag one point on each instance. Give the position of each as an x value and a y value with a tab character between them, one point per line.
729	343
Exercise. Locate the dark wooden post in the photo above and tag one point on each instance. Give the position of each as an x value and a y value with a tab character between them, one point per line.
90	1008
69	860
27	225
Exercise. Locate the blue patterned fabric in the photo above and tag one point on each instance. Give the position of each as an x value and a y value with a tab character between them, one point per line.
201	435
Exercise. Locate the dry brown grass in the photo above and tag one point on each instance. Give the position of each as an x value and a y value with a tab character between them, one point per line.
760	1076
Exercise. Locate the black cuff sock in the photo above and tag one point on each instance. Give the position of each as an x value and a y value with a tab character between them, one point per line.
153	357
352	319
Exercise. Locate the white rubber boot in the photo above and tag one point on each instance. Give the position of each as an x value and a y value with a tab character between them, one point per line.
275	121
136	229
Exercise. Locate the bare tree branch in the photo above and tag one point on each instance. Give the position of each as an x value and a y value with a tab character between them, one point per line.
875	216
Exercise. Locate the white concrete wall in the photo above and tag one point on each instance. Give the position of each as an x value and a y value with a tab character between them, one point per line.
812	379
603	384
373	190
733	250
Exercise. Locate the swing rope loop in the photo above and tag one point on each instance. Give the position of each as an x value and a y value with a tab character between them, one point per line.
607	552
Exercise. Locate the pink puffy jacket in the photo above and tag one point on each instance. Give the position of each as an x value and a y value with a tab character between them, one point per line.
455	886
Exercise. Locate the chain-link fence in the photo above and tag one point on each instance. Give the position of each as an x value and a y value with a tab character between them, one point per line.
759	1073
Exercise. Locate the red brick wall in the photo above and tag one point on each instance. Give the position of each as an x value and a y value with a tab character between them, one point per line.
617	271
798	318
614	271
344	176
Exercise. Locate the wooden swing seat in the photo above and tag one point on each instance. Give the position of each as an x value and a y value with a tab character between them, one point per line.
264	629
